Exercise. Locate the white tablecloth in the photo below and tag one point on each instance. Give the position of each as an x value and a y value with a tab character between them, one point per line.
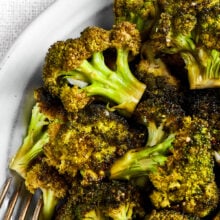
15	15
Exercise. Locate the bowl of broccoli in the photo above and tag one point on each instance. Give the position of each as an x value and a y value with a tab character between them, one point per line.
125	123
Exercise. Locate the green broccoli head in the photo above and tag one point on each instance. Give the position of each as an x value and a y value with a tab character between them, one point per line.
103	200
204	103
90	141
169	214
143	13
173	31
209	27
81	62
47	114
191	30
202	63
50	182
188	178
160	109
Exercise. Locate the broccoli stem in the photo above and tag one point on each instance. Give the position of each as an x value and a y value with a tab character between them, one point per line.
49	204
155	134
139	162
21	160
33	142
120	85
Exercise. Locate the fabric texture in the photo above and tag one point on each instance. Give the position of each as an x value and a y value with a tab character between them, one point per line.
15	16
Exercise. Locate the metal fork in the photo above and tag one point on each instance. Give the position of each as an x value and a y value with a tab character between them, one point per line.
20	199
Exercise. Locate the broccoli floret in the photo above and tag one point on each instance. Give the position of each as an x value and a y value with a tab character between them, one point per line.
50	182
169	214
143	13
47	114
187	181
174	30
81	62
209	26
190	29
90	141
103	200
160	109
205	104
160	112
141	161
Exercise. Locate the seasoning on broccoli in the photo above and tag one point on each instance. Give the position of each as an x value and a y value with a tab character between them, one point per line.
81	62
170	214
90	141
188	177
115	200
143	13
191	29
47	115
160	109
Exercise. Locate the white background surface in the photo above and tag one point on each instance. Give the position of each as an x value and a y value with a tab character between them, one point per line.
15	16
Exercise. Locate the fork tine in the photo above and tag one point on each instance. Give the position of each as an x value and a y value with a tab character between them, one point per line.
25	208
14	198
12	203
5	190
37	209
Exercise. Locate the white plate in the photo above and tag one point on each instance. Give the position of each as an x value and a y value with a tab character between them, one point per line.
20	70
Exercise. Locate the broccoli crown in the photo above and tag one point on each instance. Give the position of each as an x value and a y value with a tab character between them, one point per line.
103	200
50	182
143	13
44	177
160	108
141	161
188	176
47	114
90	141
205	103
209	27
190	28
175	26
169	214
81	62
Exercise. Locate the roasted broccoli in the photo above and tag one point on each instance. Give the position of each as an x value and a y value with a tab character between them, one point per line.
205	104
160	109
208	26
187	181
141	161
143	13
103	200
47	115
170	214
81	62
126	125
90	141
190	29
50	182
160	112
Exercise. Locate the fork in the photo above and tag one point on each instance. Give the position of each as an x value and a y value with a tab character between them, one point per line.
20	199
